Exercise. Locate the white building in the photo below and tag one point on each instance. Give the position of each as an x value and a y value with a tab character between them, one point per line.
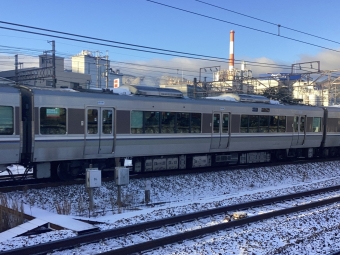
308	94
64	78
96	67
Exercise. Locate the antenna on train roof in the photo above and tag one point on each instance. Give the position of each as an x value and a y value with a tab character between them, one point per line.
97	90
154	91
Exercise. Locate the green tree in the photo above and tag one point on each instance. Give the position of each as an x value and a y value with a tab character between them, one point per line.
281	94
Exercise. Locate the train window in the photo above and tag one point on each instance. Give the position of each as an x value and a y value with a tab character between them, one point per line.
244	124
263	124
6	120
282	124
295	124
253	123
107	122
52	121
136	121
302	123
216	127
195	124
183	122
151	123
273	124
316	124
168	122
225	123
92	121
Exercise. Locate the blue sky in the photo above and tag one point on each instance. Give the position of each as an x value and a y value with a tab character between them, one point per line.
144	23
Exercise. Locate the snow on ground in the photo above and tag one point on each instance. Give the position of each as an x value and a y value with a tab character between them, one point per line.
174	195
15	169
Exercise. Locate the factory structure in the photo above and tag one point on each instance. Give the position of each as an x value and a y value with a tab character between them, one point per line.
90	70
311	88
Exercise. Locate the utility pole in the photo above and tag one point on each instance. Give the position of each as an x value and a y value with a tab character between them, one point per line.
195	87
48	71
16	69
54	85
107	70
98	74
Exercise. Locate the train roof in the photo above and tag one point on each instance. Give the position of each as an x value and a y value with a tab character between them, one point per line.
5	88
5	81
155	91
141	96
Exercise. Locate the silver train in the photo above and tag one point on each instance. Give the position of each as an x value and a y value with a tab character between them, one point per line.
61	132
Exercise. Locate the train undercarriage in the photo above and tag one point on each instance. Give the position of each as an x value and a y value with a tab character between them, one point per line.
68	170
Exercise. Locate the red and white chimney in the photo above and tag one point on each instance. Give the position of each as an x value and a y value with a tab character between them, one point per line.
231	51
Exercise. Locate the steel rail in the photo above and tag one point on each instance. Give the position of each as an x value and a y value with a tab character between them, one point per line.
112	233
8	186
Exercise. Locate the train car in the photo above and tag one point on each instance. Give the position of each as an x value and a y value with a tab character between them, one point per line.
10	112
230	133
331	143
65	133
67	130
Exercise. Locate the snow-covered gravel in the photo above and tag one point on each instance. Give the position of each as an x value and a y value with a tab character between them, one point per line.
189	193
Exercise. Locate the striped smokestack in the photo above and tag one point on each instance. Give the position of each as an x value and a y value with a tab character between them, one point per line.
231	51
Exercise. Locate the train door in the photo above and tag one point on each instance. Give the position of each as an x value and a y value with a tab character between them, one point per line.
298	130
99	131
220	130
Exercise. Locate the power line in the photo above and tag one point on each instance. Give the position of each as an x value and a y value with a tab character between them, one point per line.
105	40
166	68
192	55
20	48
177	69
268	22
235	24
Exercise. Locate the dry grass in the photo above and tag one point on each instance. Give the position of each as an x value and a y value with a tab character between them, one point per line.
11	213
81	206
63	207
113	203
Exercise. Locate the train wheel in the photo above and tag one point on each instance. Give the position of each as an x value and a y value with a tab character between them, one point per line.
333	152
280	155
325	153
65	172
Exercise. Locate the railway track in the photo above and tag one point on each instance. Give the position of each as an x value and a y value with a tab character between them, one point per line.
15	177
290	203
8	184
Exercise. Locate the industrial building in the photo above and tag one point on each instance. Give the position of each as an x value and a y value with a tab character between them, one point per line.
312	88
102	75
94	71
87	72
42	75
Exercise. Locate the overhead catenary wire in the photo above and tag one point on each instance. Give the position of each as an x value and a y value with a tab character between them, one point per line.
137	69
161	51
177	69
268	22
260	64
239	25
142	71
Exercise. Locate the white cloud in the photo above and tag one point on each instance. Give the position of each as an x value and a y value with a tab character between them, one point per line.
191	67
329	60
7	62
